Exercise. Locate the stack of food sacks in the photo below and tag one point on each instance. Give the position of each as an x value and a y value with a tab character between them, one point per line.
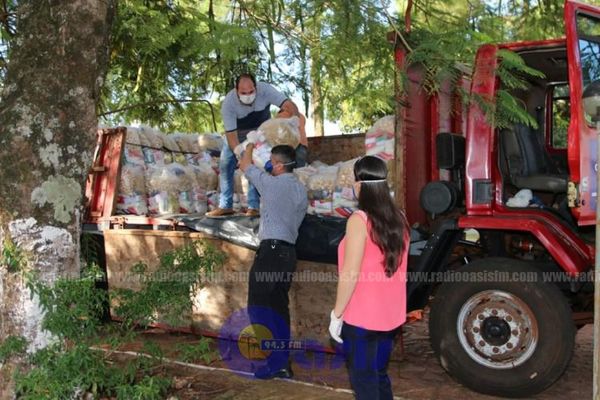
212	144
344	203
131	197
163	174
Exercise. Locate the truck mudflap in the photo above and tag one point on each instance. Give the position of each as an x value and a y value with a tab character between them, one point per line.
432	259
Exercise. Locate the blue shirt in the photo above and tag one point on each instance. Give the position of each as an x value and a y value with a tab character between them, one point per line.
283	204
239	116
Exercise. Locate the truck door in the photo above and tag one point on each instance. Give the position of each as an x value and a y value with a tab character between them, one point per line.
582	24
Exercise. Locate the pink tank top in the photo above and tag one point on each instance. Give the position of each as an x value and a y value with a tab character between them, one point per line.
378	303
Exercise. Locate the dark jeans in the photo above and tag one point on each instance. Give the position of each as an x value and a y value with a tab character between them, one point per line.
367	356
268	302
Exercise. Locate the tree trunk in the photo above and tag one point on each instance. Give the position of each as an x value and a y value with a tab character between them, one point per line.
48	111
316	100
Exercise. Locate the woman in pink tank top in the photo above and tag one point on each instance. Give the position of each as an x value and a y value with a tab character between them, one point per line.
371	294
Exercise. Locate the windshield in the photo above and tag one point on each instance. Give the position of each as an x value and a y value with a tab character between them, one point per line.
588	32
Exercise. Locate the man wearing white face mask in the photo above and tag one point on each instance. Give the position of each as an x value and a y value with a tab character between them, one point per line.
244	109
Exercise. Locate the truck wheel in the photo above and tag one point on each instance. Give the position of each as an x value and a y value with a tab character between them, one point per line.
499	329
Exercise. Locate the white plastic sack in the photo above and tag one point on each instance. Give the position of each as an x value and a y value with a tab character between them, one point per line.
379	140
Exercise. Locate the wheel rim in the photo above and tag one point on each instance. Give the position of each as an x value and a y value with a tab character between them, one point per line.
497	329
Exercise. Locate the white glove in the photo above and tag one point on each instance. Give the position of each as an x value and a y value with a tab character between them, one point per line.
239	150
335	327
254	137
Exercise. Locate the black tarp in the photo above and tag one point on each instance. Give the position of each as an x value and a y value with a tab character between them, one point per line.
318	236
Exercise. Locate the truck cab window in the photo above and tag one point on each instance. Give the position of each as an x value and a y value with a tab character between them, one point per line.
588	32
561	105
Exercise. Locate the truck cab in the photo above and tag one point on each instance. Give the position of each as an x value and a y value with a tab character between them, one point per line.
510	210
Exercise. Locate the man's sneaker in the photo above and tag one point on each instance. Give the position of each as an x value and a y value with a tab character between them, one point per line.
252	212
265	372
219	212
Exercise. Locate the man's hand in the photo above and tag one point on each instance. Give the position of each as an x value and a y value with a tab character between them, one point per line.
232	139
246	160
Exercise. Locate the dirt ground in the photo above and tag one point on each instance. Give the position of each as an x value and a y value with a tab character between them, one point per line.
415	373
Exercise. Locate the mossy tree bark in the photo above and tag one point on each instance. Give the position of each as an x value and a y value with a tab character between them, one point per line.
48	122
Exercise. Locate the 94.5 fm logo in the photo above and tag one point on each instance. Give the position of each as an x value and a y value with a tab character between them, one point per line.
254	336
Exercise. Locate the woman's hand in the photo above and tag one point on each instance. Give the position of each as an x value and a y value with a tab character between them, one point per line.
335	327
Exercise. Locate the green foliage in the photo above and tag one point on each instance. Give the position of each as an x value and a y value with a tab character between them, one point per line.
166	293
12	346
198	351
168	51
60	373
510	112
443	59
149	388
512	72
332	53
443	56
73	311
73	307
12	257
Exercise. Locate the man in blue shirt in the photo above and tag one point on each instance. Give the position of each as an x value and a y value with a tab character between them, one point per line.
284	204
244	109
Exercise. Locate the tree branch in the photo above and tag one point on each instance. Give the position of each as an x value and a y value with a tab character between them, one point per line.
151	103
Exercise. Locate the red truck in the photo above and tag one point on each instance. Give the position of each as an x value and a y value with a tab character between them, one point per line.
503	323
507	283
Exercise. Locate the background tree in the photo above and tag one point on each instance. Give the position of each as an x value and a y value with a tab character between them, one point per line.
56	66
164	52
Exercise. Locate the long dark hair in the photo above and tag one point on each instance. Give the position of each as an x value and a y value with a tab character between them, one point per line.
388	222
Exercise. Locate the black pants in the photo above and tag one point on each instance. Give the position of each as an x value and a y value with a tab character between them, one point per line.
268	301
367	357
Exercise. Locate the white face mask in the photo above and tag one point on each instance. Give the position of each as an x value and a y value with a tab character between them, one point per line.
247	98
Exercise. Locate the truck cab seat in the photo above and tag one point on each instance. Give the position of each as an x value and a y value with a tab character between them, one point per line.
526	163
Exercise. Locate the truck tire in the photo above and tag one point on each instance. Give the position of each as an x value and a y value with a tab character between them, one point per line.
499	329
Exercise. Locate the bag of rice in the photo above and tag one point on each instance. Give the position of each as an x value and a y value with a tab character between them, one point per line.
167	187
304	173
153	156
205	176
133	136
281	131
379	140
211	143
131	198
133	155
320	189
344	203
153	136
